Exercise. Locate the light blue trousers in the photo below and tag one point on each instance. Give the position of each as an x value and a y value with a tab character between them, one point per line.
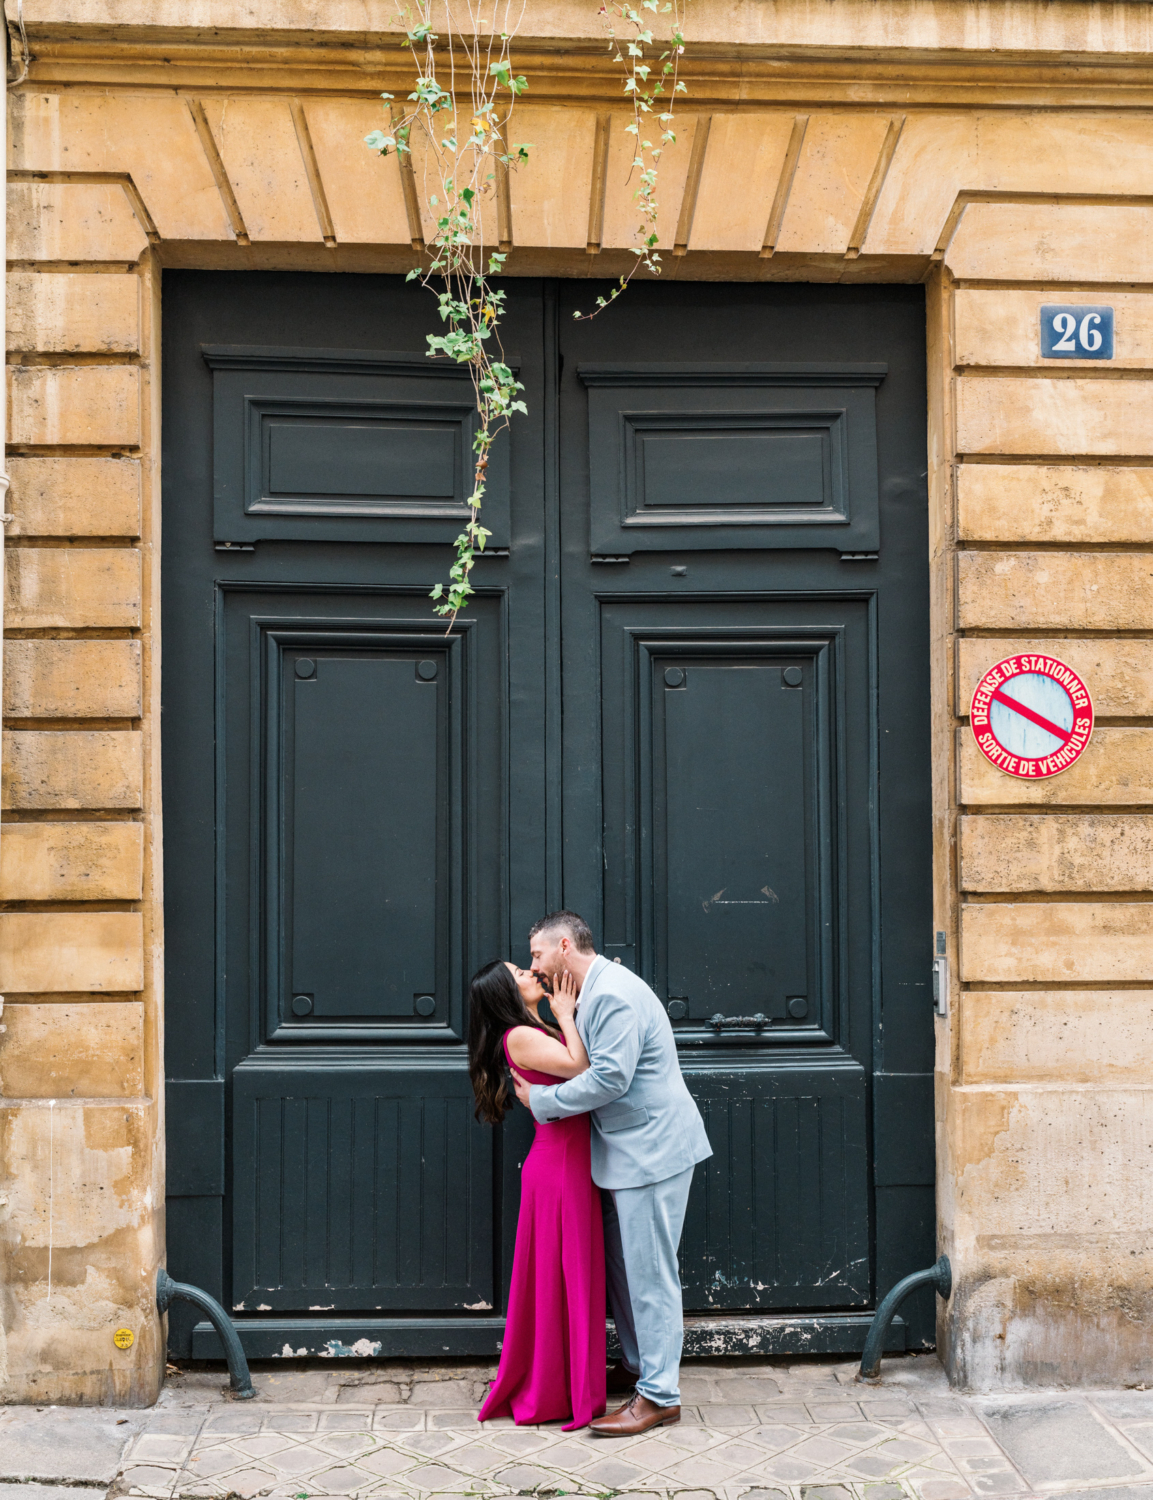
642	1234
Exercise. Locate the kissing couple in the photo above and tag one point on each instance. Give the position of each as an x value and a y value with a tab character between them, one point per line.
612	1114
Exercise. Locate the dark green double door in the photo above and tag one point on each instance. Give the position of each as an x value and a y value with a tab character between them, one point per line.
689	700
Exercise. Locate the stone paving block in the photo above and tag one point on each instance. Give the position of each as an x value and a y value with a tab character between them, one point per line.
65	1443
612	1473
702	1469
345	1421
776	1438
519	1441
740	1390
825	1492
788	1468
156	1447
262	1444
387	1391
742	1454
1122	1406
175	1423
883	1492
249	1482
428	1443
291	1421
1059	1440
944	1489
842	1411
212	1461
50	1492
1002	1483
1113	1492
300	1458
727	1416
783	1411
781	1495
346	1444
454	1393
397	1419
342	1480
229	1421
150	1478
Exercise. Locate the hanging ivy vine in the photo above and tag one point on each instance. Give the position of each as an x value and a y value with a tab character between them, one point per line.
453	133
652	91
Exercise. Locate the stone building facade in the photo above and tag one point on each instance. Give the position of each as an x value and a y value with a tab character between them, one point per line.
994	152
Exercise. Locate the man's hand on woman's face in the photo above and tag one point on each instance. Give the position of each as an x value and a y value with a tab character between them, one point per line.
521	1087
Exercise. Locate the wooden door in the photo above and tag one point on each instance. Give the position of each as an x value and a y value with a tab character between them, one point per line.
747	760
689	699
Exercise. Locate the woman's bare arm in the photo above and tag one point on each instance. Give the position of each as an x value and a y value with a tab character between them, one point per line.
533	1049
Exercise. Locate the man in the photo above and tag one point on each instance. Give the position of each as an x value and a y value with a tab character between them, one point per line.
647	1135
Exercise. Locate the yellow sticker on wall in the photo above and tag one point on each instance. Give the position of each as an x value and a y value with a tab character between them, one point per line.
124	1338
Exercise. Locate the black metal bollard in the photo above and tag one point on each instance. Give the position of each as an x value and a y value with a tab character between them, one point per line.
167	1292
939	1276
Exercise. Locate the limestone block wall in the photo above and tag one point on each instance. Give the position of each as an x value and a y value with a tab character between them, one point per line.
1046	542
81	1169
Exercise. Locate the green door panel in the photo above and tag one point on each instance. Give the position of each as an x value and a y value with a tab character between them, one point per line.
358	1189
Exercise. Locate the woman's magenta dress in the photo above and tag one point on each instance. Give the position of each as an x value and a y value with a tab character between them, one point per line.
552	1362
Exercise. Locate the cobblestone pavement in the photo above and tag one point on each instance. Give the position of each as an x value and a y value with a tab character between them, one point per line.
751	1430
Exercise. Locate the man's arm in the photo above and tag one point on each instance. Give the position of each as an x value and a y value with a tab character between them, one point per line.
614	1045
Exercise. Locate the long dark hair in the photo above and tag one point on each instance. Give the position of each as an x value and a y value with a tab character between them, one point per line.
494	1007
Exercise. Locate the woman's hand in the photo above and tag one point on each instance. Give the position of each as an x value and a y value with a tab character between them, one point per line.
563	999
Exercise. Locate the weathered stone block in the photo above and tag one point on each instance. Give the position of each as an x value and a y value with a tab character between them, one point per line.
1119	673
1047	852
1054	503
1117	767
364	192
72	221
94	768
81	1185
1003	328
61	951
1055	590
72	679
1086	242
73	314
71	861
74	497
1057	943
1057	1036
69	587
82	404
1031	415
257	142
89	1050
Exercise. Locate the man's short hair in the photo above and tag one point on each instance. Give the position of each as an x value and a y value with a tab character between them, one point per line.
576	928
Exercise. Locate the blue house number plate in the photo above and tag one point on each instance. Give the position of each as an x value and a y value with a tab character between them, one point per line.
1069	331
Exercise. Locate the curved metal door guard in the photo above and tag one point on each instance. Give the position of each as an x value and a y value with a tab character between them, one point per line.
168	1291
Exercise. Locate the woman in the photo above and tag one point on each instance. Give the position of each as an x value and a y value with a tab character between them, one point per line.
552	1362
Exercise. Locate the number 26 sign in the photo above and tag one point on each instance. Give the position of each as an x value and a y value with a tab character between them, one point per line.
1069	331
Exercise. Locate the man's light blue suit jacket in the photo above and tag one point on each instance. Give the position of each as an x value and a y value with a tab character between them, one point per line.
645	1125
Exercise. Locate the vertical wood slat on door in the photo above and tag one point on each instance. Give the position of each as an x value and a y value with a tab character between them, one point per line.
356	1200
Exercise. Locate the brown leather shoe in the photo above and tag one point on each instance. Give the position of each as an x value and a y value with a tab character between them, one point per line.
637	1416
619	1379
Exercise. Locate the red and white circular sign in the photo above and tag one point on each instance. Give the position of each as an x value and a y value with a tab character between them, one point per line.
1032	716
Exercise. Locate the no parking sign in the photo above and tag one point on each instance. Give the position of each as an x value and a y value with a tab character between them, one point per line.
1032	716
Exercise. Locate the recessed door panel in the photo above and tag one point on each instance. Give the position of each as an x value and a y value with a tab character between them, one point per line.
364	1190
364	795
731	865
779	1216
